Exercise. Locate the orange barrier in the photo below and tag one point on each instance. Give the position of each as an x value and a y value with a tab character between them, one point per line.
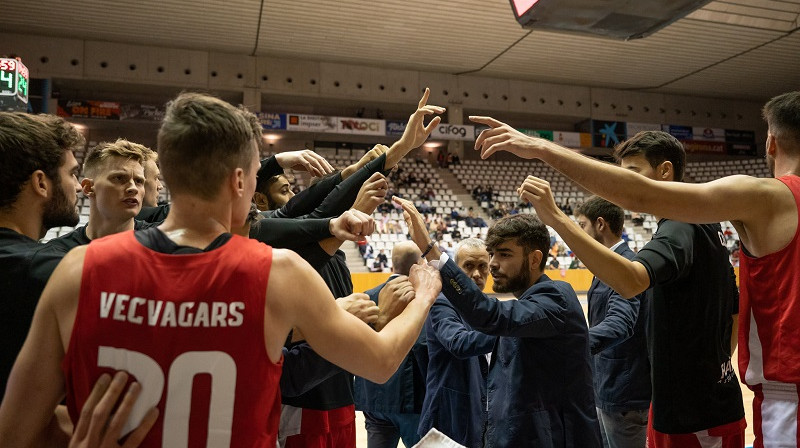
580	279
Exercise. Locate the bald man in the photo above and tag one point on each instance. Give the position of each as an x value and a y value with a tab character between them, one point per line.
392	410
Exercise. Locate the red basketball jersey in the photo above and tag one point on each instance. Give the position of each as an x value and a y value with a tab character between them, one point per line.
769	304
190	329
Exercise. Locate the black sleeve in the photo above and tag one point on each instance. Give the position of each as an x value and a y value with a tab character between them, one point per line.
668	256
344	195
290	233
269	167
303	370
153	214
307	200
314	255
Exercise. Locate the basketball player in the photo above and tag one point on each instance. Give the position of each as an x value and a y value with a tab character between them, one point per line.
184	307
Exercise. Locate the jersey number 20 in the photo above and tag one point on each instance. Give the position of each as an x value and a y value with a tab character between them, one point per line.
219	365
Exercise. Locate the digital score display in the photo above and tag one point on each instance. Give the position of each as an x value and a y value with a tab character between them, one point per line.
14	81
522	6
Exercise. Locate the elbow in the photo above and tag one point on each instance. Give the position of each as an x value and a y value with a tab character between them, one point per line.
385	371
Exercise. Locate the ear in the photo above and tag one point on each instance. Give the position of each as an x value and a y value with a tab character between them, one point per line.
261	201
40	183
666	171
87	186
772	144
237	182
601	224
535	258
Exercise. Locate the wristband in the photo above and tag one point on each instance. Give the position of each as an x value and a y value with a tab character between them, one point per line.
428	249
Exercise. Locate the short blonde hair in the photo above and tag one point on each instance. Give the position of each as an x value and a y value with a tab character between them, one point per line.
98	155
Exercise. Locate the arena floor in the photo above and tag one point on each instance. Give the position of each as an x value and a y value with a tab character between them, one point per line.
361	434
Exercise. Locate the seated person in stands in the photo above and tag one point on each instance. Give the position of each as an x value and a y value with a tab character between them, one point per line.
477	192
381	262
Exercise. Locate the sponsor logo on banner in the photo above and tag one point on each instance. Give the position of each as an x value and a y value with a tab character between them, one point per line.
395	127
104	110
311	123
568	139
142	112
74	109
679	132
360	126
547	135
480	128
740	142
608	134
271	120
635	128
453	132
708	134
704	146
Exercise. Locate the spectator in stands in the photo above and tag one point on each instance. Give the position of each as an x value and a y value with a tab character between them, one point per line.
477	192
455	399
425	207
554	263
456	160
735	254
38	191
695	389
616	332
381	261
637	219
391	410
211	170
474	221
540	382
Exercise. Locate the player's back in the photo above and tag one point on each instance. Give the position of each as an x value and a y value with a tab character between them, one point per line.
188	325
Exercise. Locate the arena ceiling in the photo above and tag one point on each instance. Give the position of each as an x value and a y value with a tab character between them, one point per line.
733	48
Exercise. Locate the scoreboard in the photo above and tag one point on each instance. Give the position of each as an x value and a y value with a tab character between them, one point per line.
14	80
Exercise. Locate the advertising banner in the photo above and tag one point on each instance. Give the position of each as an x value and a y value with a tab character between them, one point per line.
680	132
73	109
271	121
704	146
361	126
310	123
708	134
568	139
143	112
453	132
547	135
608	134
395	128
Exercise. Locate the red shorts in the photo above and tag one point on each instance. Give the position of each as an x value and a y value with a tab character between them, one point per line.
730	435
326	429
775	417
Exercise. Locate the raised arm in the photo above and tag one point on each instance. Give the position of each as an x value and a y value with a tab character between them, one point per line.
455	337
716	201
628	278
297	297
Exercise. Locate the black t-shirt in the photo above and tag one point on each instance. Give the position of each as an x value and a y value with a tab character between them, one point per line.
336	391
693	295
154	214
18	301
48	255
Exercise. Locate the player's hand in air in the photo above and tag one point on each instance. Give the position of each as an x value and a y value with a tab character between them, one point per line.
536	191
304	160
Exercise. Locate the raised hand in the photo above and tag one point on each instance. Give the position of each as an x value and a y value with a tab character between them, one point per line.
502	137
426	281
416	132
416	225
98	428
392	300
536	192
304	160
352	225
360	306
372	194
